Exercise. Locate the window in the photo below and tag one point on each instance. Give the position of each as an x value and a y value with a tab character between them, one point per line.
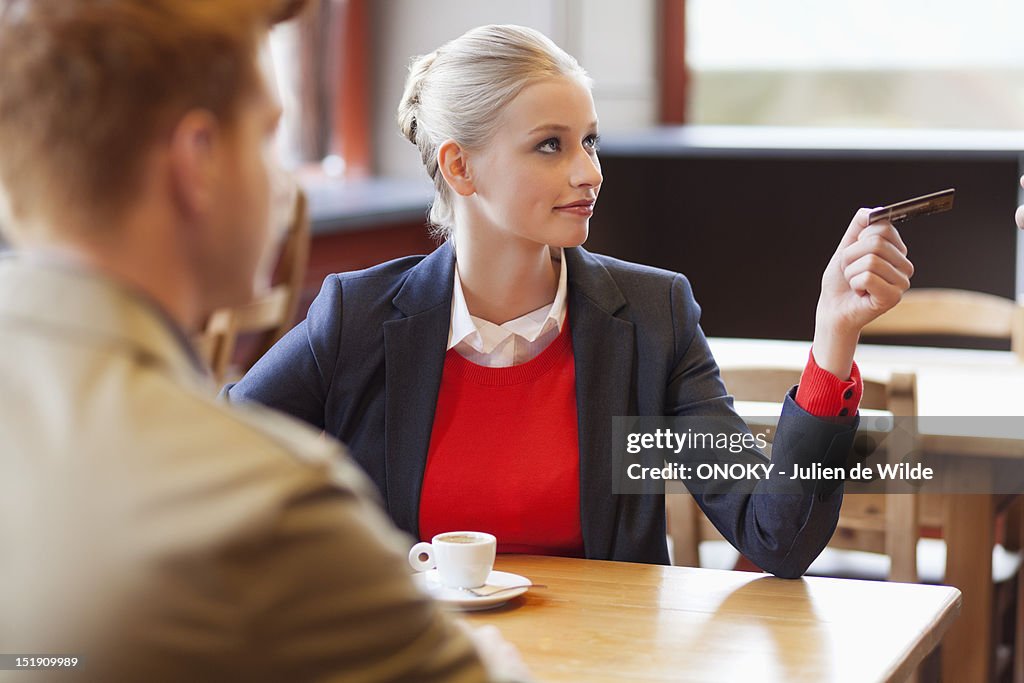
320	67
943	63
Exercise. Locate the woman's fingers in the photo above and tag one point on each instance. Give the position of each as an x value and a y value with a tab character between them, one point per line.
881	248
882	294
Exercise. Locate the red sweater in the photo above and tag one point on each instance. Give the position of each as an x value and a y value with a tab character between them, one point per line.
504	453
504	450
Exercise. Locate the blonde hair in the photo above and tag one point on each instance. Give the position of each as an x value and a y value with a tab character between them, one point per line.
458	91
89	85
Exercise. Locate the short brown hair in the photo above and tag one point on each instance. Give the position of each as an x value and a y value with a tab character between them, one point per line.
86	87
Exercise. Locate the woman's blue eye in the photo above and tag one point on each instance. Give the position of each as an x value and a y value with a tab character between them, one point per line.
550	145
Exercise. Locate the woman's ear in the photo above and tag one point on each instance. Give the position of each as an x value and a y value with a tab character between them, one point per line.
451	160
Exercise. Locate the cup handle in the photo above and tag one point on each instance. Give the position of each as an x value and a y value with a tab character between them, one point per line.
418	564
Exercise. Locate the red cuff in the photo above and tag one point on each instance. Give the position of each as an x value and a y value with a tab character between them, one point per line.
822	394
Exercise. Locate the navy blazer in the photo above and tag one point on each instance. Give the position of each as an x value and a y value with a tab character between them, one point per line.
366	364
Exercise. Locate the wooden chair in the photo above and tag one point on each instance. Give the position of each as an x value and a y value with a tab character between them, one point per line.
962	313
874	522
953	313
959	313
265	320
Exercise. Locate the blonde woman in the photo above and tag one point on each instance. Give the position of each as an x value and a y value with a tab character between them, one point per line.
476	385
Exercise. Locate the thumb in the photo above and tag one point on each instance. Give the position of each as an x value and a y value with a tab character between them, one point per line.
857	226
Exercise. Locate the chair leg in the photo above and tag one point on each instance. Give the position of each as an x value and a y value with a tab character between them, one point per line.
901	534
684	527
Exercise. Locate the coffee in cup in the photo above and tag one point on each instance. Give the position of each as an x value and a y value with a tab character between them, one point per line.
458	538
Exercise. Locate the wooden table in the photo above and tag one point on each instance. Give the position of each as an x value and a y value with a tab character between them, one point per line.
616	621
950	382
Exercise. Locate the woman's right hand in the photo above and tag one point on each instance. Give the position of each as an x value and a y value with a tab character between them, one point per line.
866	276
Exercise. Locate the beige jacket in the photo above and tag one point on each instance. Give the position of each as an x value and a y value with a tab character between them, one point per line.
160	535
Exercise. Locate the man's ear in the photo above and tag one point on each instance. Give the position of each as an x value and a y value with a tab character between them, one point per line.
452	162
192	157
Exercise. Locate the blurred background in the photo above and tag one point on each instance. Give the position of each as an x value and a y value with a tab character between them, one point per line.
871	63
739	137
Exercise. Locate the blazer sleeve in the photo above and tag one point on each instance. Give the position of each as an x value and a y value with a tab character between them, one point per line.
781	532
294	377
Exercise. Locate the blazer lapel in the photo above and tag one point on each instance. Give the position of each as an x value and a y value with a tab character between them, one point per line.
414	351
603	348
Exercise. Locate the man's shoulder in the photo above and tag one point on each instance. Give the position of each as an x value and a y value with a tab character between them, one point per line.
251	439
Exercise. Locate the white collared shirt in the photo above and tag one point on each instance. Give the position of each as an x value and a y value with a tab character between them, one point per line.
513	343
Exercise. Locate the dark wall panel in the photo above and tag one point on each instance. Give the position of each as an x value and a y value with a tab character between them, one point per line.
754	234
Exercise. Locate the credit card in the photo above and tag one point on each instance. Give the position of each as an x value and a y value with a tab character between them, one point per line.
936	202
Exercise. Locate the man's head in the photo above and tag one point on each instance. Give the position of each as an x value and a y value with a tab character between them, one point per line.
112	111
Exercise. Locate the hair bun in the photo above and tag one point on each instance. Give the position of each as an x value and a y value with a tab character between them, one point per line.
409	106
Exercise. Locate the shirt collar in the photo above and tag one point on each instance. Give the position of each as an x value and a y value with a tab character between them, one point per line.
465	327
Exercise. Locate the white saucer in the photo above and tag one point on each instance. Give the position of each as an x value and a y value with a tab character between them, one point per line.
455	598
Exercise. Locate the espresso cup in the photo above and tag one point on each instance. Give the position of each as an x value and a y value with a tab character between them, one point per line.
464	559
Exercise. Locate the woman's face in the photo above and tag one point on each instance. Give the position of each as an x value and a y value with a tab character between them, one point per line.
538	177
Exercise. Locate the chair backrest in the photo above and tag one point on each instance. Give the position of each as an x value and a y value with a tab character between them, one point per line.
873	522
266	319
954	313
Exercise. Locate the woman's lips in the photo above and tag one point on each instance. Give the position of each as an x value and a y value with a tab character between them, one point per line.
585	208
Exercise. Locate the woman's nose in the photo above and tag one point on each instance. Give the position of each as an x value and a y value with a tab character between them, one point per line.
586	169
